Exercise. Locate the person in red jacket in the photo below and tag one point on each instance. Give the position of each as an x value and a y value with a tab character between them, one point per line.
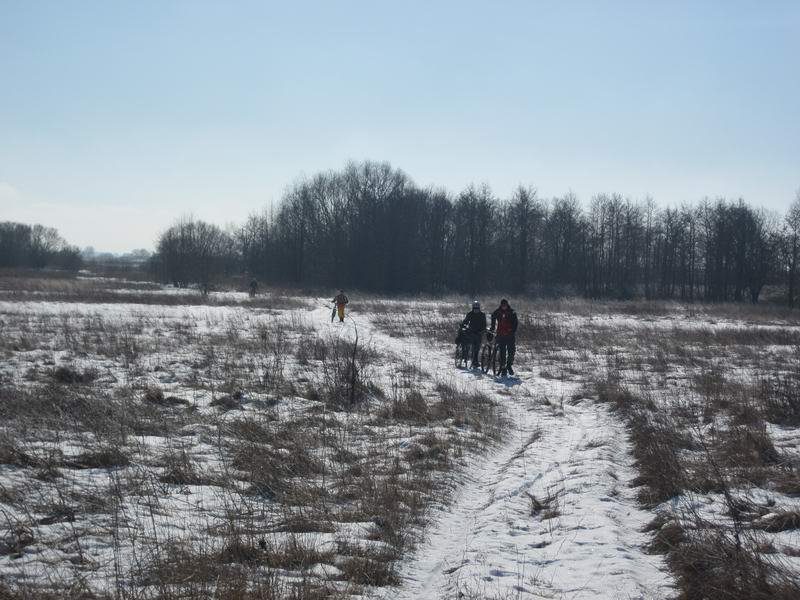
505	320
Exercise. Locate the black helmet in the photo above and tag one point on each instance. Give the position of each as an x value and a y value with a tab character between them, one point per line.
476	304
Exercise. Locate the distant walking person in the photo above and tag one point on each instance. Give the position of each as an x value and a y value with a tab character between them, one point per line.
253	287
475	321
340	301
506	321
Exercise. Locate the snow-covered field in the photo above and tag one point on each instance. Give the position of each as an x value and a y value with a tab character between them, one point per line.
232	448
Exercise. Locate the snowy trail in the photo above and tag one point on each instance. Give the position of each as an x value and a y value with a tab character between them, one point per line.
548	514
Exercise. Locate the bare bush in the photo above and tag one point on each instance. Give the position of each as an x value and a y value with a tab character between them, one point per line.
345	375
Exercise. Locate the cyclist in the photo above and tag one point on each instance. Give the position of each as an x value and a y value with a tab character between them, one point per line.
475	322
340	300
506	321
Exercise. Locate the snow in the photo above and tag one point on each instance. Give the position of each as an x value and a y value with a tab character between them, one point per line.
488	543
545	511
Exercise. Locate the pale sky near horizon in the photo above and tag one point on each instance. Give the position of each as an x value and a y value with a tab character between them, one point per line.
117	118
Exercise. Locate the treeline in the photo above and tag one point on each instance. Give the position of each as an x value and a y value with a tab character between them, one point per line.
35	246
197	252
369	227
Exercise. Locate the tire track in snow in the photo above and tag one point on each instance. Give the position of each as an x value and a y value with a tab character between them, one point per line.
491	542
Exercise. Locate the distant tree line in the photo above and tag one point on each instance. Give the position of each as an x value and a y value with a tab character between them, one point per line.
35	246
369	227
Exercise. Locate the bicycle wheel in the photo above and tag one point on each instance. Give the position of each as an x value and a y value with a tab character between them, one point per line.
461	355
486	358
468	356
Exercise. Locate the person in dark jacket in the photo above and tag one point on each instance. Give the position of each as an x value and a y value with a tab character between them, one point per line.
505	319
475	322
340	301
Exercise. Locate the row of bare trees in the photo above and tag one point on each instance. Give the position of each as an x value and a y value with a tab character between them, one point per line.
35	246
369	227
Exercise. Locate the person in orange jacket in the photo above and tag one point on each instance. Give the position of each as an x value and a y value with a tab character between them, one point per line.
340	300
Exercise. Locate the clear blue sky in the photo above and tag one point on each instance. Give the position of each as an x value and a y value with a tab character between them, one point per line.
116	117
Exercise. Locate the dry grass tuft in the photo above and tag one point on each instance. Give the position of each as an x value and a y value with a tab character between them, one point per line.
181	469
272	472
780	396
102	458
787	520
668	535
711	565
12	453
409	407
15	539
69	375
468	409
656	443
367	571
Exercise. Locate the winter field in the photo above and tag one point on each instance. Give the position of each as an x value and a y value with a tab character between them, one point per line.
158	444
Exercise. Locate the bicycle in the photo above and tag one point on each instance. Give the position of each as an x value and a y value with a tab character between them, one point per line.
489	355
463	357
